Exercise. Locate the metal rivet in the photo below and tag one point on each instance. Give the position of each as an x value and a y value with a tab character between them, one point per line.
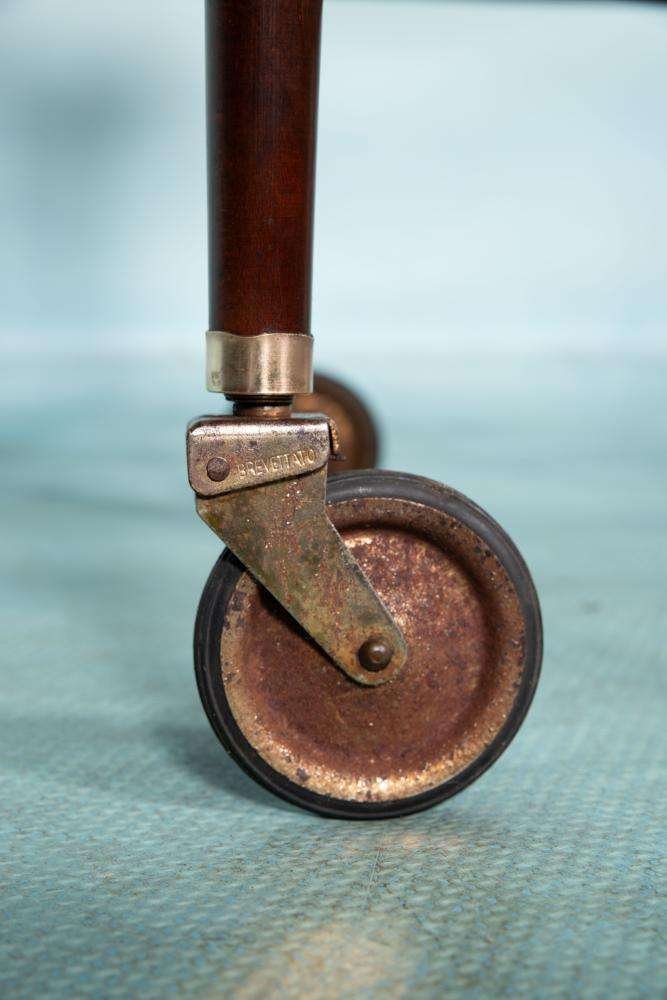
375	654
218	469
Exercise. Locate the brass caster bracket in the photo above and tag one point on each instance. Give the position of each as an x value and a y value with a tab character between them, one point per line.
261	487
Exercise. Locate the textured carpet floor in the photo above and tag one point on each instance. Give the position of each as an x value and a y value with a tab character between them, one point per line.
136	859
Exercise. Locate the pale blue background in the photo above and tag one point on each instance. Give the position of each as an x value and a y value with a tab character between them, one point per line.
490	270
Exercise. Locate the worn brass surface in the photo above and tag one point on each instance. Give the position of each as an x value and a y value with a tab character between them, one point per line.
462	620
256	451
281	532
266	364
261	487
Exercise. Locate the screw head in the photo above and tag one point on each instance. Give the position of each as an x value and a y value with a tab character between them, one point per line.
375	654
218	469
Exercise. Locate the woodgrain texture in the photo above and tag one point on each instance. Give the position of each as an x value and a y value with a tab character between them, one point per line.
262	83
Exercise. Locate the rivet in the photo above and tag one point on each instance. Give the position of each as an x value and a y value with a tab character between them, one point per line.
218	469
375	654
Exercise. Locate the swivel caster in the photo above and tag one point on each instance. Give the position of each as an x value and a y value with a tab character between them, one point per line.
369	643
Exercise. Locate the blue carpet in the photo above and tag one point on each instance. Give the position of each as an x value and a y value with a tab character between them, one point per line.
138	861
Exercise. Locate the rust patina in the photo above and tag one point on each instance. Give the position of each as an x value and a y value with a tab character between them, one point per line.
462	620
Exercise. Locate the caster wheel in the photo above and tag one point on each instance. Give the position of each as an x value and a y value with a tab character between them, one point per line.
465	601
356	427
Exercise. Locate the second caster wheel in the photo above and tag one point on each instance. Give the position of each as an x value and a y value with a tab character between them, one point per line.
464	599
356	427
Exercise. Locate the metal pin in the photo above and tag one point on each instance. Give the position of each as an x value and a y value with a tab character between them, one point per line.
218	469
375	654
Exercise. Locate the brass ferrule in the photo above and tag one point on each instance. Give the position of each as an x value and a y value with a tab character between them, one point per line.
264	365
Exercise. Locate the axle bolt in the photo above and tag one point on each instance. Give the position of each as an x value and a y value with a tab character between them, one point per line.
218	469
375	654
